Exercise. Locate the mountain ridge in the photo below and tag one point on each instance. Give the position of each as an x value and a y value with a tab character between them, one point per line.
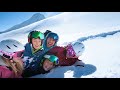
35	17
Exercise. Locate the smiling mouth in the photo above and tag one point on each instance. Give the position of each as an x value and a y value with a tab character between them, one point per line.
36	46
46	68
49	44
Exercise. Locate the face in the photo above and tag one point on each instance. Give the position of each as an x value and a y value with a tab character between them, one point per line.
36	43
50	42
47	65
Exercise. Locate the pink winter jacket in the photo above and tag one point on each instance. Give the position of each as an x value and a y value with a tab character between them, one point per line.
6	72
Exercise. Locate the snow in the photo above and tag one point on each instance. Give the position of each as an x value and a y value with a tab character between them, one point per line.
101	33
104	54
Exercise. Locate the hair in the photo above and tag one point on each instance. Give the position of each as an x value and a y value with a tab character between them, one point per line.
17	66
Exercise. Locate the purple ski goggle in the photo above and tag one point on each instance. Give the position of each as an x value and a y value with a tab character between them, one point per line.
70	52
12	55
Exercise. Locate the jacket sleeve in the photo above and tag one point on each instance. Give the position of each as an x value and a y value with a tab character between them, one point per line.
55	49
5	72
27	51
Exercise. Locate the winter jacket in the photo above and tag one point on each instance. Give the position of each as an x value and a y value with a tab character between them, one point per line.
28	51
60	52
6	71
28	73
32	64
29	56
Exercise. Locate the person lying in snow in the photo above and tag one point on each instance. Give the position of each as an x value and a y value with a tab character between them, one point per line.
69	54
47	63
11	65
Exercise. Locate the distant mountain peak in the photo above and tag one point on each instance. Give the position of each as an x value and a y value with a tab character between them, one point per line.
35	17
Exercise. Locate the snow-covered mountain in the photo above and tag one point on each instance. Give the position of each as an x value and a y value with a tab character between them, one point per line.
36	17
99	31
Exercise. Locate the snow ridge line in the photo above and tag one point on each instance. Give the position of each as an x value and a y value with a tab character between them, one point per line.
98	35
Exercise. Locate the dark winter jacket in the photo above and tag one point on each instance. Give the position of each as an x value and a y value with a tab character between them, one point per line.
60	52
30	57
28	73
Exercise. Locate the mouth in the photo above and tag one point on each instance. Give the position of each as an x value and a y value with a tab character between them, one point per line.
46	68
36	46
49	44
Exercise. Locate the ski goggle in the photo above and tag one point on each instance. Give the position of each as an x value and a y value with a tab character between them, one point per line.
18	54
12	55
38	35
53	59
54	36
70	52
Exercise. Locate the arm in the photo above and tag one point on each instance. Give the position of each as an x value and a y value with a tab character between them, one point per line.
5	72
27	51
56	49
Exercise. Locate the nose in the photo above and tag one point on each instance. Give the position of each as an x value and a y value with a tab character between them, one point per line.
50	41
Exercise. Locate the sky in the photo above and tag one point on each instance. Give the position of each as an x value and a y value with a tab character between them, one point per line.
9	19
101	55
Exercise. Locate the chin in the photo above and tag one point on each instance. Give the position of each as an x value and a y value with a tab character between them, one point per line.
37	48
45	69
49	46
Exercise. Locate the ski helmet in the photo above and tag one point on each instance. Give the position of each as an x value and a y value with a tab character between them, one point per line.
46	32
75	49
35	34
54	36
10	48
52	58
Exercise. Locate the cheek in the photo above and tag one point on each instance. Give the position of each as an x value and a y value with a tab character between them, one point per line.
34	44
47	40
39	42
48	65
44	64
53	42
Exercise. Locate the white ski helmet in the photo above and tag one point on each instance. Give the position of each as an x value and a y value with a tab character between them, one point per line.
79	48
74	50
9	46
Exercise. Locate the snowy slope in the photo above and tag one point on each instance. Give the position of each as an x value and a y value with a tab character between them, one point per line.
65	24
104	54
101	54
